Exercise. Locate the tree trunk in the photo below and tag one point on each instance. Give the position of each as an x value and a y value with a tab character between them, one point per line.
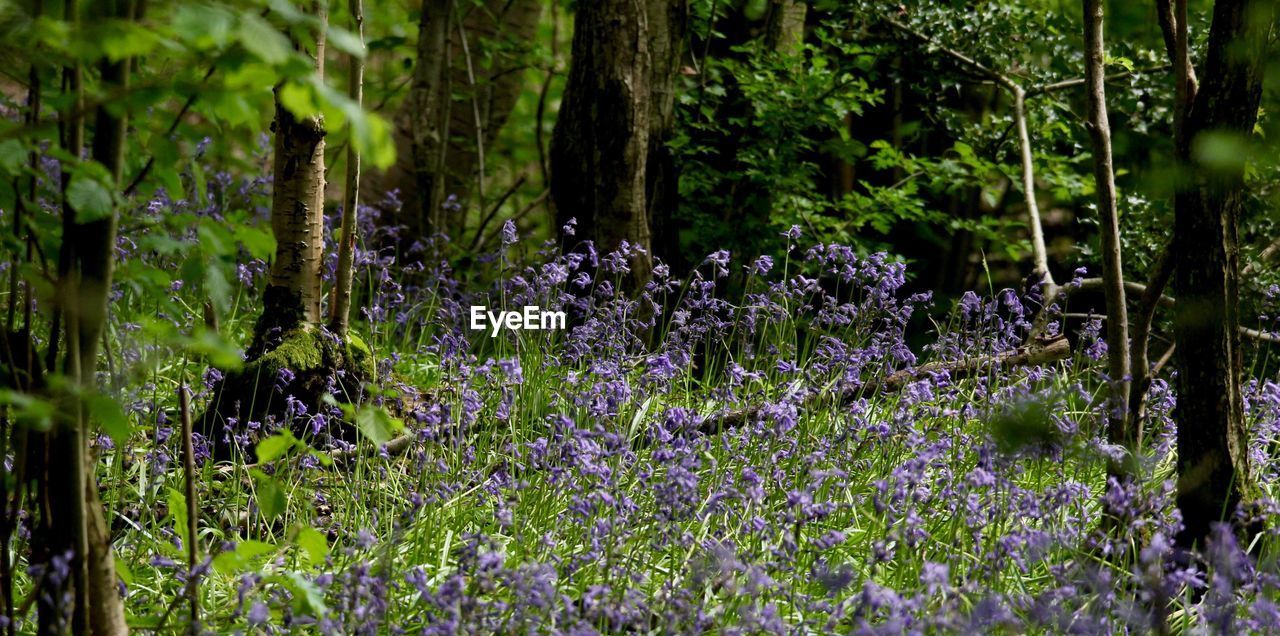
72	511
784	25
341	303
668	24
1099	127
1173	28
1214	473
600	146
293	294
428	106
436	144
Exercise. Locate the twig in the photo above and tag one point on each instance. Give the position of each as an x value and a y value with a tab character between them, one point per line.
542	99
493	211
1096	284
1140	363
1268	253
341	311
1093	284
537	201
193	511
1079	81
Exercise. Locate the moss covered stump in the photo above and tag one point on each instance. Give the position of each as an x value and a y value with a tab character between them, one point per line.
302	367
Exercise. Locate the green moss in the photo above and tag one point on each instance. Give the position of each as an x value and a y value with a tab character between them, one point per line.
361	357
315	360
300	351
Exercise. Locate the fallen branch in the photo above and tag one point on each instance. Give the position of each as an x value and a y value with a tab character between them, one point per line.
1040	352
1267	254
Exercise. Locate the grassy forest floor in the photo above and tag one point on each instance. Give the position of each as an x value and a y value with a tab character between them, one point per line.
579	480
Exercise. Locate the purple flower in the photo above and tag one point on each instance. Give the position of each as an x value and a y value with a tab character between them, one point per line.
509	233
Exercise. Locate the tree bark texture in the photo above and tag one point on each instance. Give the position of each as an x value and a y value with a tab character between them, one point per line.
293	294
436	150
784	25
668	26
1214	473
600	146
341	302
1118	430
73	511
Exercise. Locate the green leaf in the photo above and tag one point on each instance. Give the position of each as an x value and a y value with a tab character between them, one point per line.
12	155
376	424
123	571
270	496
314	545
346	41
217	287
298	99
90	199
178	511
308	598
203	26
275	447
261	39
28	410
107	412
257	240
120	39
222	353
237	560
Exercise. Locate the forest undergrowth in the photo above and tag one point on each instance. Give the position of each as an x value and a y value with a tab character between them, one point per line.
579	481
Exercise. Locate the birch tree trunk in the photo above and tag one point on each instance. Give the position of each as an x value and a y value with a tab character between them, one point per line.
293	293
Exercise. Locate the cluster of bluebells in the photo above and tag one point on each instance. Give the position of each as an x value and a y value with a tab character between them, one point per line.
574	485
588	480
